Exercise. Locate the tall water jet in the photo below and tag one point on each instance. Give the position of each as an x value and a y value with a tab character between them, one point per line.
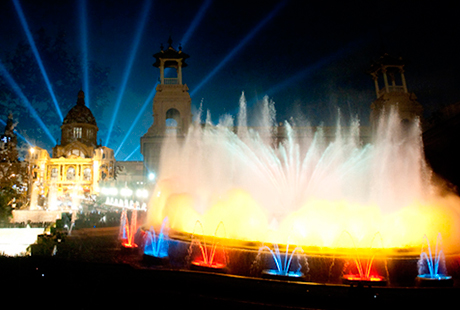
273	183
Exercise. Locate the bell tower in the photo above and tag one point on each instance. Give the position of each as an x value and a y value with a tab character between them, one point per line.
394	92
172	112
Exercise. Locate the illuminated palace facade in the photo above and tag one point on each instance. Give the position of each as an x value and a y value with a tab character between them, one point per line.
77	165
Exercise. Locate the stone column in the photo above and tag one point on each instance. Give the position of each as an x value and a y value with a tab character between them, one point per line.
385	79
403	79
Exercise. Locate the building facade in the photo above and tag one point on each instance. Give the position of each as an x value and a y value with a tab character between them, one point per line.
77	167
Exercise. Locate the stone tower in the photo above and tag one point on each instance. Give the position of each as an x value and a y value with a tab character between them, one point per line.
172	112
394	91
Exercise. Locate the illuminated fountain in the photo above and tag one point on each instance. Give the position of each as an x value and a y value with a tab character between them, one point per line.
308	188
432	268
282	268
156	245
206	256
361	270
127	229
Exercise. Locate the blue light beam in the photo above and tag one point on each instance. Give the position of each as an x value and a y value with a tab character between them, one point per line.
84	49
235	50
307	71
144	106
25	101
196	21
137	39
23	20
135	150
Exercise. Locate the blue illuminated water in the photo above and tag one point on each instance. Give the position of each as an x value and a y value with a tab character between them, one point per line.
282	262
157	245
432	265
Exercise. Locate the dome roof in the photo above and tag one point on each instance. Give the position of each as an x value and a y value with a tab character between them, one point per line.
80	113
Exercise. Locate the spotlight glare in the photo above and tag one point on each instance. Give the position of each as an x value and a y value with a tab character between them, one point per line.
25	101
137	39
196	21
126	192
307	71
134	123
84	48
235	50
134	151
23	21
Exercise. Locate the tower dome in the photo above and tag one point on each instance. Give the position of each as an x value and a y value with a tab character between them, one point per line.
78	129
80	113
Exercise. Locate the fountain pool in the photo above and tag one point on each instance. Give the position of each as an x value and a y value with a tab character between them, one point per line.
292	185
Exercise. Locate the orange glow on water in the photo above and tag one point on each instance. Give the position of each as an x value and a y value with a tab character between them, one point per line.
356	277
318	223
214	265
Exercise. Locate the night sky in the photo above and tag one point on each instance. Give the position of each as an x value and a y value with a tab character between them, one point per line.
309	57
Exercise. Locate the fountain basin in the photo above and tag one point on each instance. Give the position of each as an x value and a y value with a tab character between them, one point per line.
283	276
396	271
206	267
356	280
438	280
155	260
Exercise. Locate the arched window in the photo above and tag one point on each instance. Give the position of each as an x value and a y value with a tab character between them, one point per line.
70	175
87	174
172	121
54	174
77	132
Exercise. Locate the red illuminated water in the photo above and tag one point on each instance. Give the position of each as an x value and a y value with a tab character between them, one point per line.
127	229
210	255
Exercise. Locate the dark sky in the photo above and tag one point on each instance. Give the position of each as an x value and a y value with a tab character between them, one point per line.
309	57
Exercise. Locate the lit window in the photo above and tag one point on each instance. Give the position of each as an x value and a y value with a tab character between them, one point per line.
77	152
77	132
87	174
70	174
54	174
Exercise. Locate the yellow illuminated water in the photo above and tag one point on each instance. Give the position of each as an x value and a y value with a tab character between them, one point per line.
309	192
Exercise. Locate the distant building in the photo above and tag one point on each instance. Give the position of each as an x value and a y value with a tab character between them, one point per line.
78	165
130	173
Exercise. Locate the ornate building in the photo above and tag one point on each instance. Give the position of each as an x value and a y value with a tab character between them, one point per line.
77	166
172	112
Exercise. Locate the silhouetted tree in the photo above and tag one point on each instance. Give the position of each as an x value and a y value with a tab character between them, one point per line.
13	173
